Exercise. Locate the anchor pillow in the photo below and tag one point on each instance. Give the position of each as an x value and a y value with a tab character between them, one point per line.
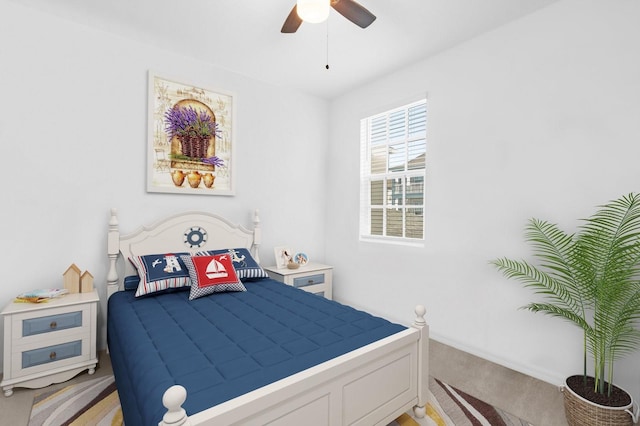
211	274
245	265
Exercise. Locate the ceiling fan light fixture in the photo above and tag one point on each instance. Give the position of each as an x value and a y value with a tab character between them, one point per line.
313	11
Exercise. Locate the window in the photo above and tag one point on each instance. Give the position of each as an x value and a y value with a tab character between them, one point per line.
393	164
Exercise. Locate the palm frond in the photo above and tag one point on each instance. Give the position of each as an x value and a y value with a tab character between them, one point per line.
556	311
589	278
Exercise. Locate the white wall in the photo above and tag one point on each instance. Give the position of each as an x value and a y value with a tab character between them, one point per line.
73	120
539	118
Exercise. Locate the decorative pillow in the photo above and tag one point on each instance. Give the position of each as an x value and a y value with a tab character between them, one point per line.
131	282
159	272
211	274
245	265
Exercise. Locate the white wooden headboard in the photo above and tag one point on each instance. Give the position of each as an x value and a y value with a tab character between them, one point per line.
184	232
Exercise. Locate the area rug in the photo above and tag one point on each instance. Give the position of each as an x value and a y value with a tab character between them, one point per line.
95	403
450	406
90	403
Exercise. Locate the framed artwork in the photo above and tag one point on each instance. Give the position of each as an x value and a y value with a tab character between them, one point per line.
283	256
191	141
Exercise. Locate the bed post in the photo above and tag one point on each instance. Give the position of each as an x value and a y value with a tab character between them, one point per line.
423	361
113	249
257	236
173	399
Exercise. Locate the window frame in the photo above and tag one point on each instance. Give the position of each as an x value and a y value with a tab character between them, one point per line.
388	176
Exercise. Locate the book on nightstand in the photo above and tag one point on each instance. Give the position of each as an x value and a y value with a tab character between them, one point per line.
40	295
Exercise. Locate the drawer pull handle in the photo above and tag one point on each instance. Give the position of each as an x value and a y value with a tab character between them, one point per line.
310	281
53	325
52	355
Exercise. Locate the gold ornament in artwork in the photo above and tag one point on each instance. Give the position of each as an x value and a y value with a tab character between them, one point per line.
178	177
194	179
208	179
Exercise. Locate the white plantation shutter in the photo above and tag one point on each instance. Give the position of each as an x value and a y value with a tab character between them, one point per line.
392	169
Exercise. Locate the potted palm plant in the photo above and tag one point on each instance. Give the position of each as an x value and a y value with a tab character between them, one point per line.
590	278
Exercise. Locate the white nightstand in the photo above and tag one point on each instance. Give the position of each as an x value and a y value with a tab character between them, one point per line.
49	342
312	277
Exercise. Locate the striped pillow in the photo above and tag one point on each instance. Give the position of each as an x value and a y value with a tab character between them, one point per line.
245	265
160	272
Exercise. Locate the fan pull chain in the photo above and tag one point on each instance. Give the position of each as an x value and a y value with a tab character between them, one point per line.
327	66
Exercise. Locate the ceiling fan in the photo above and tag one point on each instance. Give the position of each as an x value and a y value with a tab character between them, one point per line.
350	9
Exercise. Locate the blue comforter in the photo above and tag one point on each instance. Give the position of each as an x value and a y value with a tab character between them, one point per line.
224	345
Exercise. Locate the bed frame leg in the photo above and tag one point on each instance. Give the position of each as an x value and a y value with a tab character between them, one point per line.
173	399
423	361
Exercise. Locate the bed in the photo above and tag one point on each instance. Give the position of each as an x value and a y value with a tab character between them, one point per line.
189	352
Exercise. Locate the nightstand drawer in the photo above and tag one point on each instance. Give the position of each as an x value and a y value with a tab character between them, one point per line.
51	353
51	323
308	280
50	326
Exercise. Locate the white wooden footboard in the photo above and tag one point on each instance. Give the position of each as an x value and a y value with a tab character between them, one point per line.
369	386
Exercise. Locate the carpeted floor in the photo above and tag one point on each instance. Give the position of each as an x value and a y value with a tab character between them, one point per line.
95	402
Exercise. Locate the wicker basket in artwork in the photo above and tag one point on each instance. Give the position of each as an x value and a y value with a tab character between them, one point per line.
581	412
194	147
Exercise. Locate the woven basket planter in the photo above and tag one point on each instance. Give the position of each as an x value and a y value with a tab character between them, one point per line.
194	147
582	412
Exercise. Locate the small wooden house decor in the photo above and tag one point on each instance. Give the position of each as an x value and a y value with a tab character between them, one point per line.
71	279
86	282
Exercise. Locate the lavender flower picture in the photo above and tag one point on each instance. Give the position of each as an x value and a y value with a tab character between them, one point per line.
191	139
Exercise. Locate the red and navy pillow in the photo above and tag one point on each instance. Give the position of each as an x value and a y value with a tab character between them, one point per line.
245	265
211	274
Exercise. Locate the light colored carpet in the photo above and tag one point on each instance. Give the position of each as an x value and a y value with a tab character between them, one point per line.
95	403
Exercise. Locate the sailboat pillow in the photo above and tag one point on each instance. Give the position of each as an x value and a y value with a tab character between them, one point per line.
211	274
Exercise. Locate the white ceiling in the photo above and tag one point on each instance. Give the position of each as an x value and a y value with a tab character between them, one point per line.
244	35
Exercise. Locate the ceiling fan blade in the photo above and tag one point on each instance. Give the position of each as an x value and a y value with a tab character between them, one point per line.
293	21
354	12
